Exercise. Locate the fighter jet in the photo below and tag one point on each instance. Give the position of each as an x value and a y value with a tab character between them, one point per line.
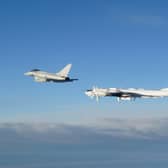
126	94
42	76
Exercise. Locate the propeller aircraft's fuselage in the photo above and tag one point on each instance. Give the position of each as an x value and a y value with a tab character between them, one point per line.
126	94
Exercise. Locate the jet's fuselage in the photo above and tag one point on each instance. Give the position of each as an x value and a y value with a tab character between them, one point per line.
46	75
42	76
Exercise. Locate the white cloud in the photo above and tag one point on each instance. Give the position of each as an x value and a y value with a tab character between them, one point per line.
139	128
103	129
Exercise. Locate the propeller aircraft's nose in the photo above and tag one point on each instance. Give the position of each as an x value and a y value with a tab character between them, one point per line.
88	93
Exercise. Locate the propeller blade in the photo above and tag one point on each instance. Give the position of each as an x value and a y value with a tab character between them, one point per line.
91	97
95	88
118	99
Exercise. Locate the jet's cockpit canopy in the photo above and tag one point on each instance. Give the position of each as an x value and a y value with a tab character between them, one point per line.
35	70
89	90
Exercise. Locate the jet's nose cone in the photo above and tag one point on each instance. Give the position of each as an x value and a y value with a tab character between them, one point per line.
27	73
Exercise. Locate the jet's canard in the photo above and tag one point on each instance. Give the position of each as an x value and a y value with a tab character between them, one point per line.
42	76
126	94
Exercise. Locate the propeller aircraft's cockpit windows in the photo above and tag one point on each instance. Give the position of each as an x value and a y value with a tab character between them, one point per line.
89	90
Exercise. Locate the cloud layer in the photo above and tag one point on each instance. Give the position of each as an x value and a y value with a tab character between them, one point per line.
106	143
103	129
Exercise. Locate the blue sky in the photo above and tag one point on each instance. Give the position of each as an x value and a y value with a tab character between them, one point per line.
109	43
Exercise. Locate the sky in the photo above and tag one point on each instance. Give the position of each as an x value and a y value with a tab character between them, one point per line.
110	44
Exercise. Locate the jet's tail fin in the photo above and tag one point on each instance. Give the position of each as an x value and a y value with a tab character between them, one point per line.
65	71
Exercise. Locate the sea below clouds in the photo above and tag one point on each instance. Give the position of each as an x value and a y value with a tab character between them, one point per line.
121	143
